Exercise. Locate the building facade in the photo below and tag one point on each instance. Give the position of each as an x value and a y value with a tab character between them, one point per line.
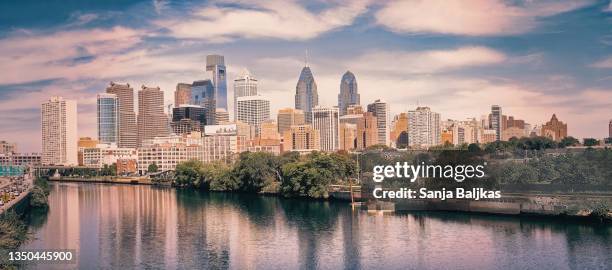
203	94
301	138
554	129
423	128
288	117
253	110
167	152
398	132
326	121
128	131
187	119
306	95
347	136
7	147
59	132
380	109
152	121
221	116
495	121
106	154
349	94
107	108
244	85
222	143
182	95
216	65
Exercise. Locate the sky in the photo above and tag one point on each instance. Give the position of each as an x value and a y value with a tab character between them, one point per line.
533	58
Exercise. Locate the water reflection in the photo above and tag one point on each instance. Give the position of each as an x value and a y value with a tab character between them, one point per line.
124	226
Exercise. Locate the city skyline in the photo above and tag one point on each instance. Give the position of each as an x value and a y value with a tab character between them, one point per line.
521	64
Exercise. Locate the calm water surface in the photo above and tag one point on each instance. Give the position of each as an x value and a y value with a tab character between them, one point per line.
124	226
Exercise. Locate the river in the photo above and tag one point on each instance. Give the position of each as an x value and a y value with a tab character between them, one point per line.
128	226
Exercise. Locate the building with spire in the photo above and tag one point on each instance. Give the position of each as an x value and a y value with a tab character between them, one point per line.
216	64
348	92
306	96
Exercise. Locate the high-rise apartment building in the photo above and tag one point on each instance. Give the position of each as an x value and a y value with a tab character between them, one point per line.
182	95
306	95
495	121
326	121
244	85
59	132
301	138
216	64
554	129
348	92
380	109
128	132
152	121
253	110
288	117
203	94
423	128
107	108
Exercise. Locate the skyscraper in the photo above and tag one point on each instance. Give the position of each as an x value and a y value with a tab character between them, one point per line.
554	129
182	95
423	128
216	64
496	121
108	118
306	96
203	94
59	132
152	121
380	109
288	117
187	119
326	121
253	110
128	134
244	85
348	92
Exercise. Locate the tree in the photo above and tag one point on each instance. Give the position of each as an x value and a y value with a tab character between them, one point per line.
188	173
256	170
590	142
568	141
152	168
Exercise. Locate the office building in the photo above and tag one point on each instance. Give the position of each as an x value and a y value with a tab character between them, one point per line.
7	147
495	121
168	151
347	136
366	125
244	85
423	128
216	65
252	110
203	94
326	121
380	109
348	92
288	117
59	132
152	121
301	138
85	142
108	118
187	119
306	95
106	154
222	143
221	116
20	159
554	129
399	131
128	131
182	95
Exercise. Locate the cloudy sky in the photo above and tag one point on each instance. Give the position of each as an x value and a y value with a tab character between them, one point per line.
534	58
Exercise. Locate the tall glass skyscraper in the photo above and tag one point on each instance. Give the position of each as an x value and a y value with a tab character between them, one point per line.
108	118
306	96
216	64
203	94
348	92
